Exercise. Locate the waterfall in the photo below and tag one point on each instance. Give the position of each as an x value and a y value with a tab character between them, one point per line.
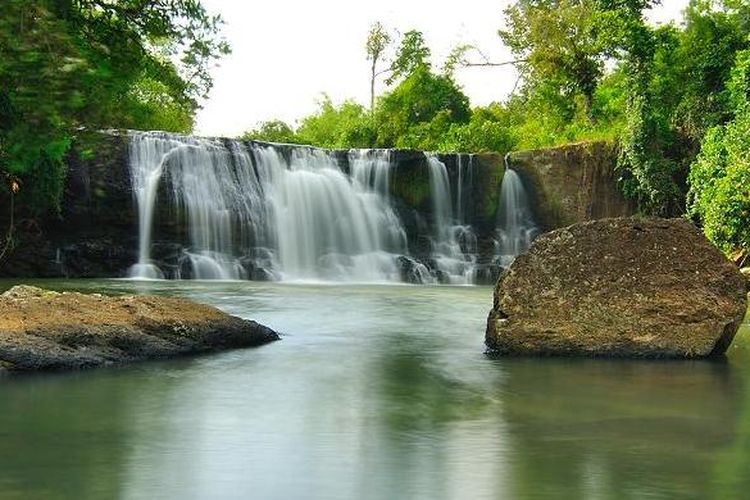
253	212
147	156
231	210
516	228
371	169
327	225
454	243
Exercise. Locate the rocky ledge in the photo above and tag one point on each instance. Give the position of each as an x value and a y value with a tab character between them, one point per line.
625	287
42	330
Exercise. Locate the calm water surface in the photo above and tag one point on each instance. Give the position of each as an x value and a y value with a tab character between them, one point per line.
376	392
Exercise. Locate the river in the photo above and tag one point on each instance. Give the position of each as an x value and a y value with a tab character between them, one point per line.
379	392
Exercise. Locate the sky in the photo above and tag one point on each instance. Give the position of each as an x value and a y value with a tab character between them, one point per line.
287	53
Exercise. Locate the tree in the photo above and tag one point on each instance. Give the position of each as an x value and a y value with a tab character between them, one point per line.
720	177
556	42
272	131
346	126
714	33
412	54
676	91
419	99
67	64
378	40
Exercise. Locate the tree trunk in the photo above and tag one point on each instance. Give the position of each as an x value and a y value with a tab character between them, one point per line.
372	84
588	105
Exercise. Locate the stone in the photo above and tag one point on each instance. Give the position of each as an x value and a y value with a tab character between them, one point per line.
572	183
412	271
42	330
623	287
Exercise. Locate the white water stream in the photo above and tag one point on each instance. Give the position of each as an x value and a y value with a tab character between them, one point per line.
294	213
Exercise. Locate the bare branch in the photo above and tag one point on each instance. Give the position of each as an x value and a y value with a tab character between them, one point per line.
466	64
459	58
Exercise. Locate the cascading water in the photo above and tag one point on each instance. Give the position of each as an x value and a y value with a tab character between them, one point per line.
203	189
267	212
371	168
467	239
454	264
326	225
147	158
516	228
253	212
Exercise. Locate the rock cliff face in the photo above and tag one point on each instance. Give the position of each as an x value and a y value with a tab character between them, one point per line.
572	183
95	234
624	287
41	330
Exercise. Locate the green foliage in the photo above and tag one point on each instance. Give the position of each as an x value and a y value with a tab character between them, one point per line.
706	54
720	177
720	185
96	64
412	55
539	117
485	132
272	131
346	126
419	110
647	175
425	111
676	92
739	83
558	45
151	106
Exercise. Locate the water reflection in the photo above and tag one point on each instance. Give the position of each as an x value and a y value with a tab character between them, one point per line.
60	438
592	429
375	392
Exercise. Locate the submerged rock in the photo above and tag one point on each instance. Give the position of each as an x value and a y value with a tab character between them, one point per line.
46	330
625	287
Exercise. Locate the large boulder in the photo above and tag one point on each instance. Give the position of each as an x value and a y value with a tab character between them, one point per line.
46	330
626	287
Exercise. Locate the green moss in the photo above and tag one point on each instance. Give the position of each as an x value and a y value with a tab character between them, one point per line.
491	169
411	184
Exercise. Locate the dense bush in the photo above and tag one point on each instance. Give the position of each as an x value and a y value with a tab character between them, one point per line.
94	64
720	177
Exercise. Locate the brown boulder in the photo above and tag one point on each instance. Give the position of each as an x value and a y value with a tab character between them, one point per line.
45	330
626	287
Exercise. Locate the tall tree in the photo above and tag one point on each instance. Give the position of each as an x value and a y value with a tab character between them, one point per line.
67	64
413	53
558	45
378	41
421	98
